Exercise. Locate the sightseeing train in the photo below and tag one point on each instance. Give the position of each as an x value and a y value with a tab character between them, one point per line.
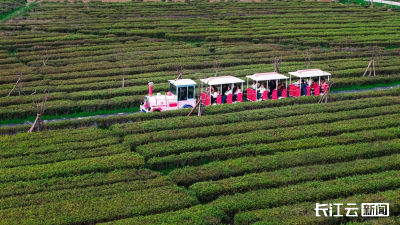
229	89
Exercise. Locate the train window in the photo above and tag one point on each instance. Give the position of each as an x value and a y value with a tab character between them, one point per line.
172	89
182	93
191	92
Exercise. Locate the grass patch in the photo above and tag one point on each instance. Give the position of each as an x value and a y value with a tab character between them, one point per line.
7	15
359	87
16	12
194	43
392	47
11	54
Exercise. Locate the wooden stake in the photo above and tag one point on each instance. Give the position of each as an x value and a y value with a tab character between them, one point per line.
18	85
34	123
373	66
40	109
47	57
326	96
123	79
367	68
200	111
44	126
370	69
14	87
191	111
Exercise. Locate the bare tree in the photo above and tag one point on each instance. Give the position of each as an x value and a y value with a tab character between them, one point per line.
371	65
277	62
216	67
18	85
281	40
307	58
123	64
47	56
180	71
40	106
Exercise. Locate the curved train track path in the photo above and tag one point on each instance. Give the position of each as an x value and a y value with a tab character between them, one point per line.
124	114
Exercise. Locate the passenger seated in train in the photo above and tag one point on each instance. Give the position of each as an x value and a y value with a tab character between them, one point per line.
191	93
208	89
236	91
254	85
272	85
182	94
297	83
260	91
303	87
224	89
314	85
214	94
323	83
280	88
309	82
228	92
266	84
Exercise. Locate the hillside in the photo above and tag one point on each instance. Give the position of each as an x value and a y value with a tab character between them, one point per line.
79	52
224	167
265	162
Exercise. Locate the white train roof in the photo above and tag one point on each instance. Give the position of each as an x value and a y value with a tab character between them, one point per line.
182	82
310	73
222	80
267	76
